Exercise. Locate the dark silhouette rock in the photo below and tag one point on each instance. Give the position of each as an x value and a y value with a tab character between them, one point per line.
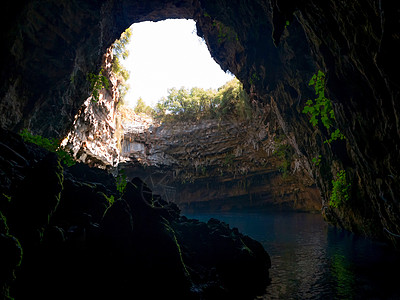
10	258
79	244
222	257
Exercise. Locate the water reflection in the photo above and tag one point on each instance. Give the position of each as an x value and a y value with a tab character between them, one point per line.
311	260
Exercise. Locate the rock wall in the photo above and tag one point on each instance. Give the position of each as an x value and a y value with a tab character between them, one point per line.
273	47
48	50
95	134
220	164
276	47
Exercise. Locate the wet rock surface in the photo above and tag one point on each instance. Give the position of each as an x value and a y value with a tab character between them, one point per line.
64	238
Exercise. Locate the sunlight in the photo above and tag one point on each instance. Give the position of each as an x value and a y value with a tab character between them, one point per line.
169	54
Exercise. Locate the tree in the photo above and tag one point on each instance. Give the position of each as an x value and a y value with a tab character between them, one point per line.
120	52
119	46
183	104
160	110
234	101
231	100
141	107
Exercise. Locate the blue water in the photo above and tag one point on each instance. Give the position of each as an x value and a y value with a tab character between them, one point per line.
312	260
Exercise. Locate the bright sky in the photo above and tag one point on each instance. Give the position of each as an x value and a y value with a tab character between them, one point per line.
169	54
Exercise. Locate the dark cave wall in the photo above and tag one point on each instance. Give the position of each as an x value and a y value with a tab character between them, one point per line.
348	41
353	42
50	47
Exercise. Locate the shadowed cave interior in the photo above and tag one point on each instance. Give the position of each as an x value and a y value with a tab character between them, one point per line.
71	231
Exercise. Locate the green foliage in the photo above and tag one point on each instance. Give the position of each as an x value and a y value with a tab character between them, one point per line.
254	78
72	79
335	136
229	101
141	107
160	110
110	200
48	144
321	108
119	46
119	53
121	182
172	234
233	101
7	197
284	152
52	145
225	33
222	35
317	160
3	224
97	83
18	254
340	190
65	157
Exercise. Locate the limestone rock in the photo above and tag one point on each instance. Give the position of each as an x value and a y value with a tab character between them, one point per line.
93	138
221	165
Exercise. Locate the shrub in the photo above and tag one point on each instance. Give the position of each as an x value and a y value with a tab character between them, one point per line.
52	145
317	160
141	107
110	200
97	83
321	109
340	190
120	52
285	153
121	182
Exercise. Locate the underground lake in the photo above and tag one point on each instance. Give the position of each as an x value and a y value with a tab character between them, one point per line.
313	260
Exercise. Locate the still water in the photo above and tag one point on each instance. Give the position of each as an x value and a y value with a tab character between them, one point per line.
312	260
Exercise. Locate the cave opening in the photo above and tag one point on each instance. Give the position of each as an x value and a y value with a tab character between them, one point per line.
172	146
174	159
168	54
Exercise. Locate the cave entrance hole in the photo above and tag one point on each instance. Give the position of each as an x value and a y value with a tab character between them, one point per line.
169	54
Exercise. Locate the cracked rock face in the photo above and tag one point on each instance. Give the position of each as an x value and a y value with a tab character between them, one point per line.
273	47
94	137
220	164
